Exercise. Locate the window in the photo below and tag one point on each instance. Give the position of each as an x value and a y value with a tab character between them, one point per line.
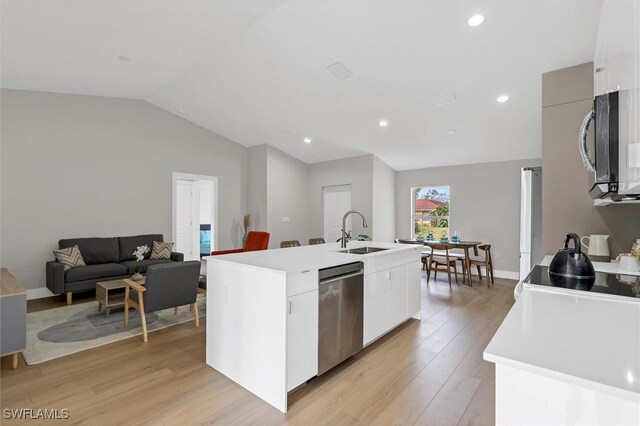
430	211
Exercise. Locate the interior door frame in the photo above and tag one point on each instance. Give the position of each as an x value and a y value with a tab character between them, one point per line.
175	177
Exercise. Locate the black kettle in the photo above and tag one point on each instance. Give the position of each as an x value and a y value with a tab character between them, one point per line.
571	262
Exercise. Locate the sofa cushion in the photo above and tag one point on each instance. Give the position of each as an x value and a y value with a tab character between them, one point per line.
129	244
94	250
69	257
90	272
143	264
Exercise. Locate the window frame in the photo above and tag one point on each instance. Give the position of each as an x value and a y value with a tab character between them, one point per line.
414	217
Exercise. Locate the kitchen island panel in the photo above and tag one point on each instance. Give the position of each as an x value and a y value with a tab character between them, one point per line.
247	328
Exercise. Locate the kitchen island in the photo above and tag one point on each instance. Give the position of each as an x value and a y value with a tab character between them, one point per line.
262	309
568	357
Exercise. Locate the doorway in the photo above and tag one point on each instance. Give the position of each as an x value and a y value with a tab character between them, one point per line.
337	201
194	214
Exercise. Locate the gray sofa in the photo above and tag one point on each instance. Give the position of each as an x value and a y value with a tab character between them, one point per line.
106	258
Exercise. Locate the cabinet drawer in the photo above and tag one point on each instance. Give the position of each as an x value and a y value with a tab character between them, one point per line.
301	282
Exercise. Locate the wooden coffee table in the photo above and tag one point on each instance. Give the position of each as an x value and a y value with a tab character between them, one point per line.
111	294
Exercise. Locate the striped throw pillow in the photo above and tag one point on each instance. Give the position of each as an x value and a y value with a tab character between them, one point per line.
161	250
69	257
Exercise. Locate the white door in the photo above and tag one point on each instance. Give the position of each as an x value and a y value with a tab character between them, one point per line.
337	201
184	219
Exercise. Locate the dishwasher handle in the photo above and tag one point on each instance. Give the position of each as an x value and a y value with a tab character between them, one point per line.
339	277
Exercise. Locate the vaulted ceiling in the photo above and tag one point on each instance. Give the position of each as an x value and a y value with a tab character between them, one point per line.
256	71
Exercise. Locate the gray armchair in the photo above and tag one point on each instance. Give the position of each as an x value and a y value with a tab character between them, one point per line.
166	286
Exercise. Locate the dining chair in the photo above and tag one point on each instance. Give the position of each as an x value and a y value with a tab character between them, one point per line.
256	240
441	260
314	241
289	243
484	261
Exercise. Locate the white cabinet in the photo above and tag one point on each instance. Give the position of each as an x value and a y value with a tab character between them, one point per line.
397	295
376	297
414	289
302	338
390	298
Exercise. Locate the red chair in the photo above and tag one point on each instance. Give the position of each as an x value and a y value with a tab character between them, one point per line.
256	240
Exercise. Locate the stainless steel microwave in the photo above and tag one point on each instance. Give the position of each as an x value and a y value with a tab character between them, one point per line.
606	143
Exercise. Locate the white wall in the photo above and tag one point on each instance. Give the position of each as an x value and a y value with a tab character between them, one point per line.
485	204
384	202
286	198
358	172
82	166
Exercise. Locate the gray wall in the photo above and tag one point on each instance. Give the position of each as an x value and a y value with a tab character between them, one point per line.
567	95
384	201
80	166
358	172
257	187
485	204
286	198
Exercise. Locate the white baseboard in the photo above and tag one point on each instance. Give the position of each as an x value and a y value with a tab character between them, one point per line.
510	275
38	293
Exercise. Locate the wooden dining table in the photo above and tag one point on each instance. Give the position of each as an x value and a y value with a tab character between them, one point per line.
464	245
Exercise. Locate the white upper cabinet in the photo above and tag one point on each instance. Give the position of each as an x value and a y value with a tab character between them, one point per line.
617	68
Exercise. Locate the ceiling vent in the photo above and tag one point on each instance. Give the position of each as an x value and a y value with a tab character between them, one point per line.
444	100
340	71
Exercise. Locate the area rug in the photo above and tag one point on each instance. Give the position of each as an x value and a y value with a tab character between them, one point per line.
55	333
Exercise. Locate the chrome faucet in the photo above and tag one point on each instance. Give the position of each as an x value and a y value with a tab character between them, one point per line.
345	235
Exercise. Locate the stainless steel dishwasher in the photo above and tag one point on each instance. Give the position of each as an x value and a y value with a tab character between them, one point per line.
339	314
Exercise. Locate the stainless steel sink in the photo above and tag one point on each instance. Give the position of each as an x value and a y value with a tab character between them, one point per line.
363	250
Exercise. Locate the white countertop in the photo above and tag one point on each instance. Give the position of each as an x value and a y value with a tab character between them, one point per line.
583	339
294	259
608	267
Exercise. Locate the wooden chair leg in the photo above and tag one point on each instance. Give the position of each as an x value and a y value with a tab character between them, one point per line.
143	318
455	269
126	307
428	267
195	313
490	270
175	311
449	273
69	298
479	272
190	308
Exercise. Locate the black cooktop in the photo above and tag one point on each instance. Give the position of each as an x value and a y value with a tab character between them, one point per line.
616	284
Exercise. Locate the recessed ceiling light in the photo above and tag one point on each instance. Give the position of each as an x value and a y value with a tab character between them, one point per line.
502	98
307	140
383	123
476	20
124	58
451	131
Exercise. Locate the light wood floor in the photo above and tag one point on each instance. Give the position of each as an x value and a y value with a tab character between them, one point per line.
425	372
